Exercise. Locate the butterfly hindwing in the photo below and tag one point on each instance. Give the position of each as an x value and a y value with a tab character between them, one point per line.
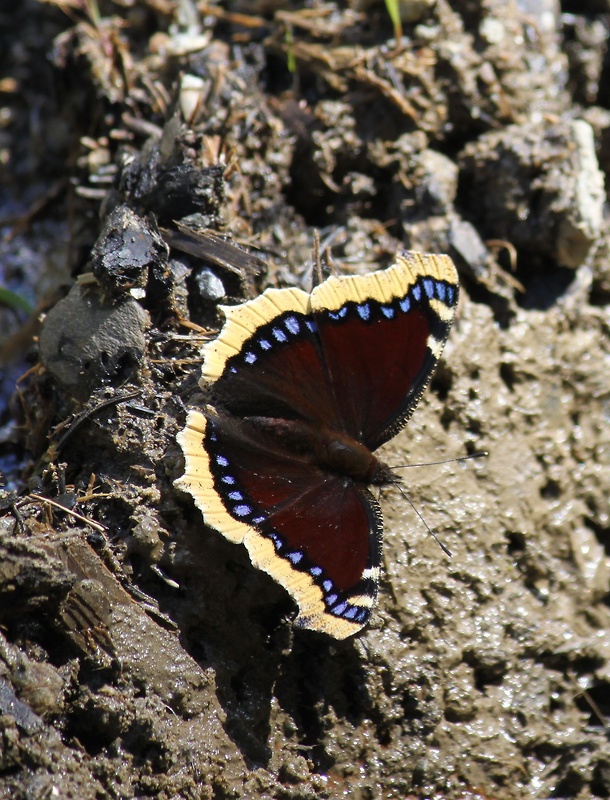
288	514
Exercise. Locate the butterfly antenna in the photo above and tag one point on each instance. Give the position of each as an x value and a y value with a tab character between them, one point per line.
443	547
479	454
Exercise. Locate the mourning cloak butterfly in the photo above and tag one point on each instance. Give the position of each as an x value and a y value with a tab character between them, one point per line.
302	389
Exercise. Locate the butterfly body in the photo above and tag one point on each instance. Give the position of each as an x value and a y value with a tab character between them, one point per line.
331	450
302	389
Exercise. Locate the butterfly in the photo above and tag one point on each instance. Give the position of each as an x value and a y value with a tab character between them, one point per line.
302	388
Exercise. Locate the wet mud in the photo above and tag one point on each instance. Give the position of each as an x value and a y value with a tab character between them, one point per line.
160	159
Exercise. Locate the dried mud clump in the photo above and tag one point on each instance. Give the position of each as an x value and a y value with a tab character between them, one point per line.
159	160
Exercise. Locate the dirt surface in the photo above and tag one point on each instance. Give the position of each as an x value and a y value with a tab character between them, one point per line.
158	158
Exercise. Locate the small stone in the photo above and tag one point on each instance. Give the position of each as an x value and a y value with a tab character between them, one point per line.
86	342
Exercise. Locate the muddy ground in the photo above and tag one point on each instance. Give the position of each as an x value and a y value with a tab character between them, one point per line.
160	157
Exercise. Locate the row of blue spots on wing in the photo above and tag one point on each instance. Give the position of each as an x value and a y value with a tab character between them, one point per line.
291	325
242	509
427	288
334	603
280	331
298	560
227	486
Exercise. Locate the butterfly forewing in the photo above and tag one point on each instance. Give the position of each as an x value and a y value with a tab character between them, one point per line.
280	372
381	346
317	534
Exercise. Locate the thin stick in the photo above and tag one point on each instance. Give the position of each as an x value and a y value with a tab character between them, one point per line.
95	525
88	413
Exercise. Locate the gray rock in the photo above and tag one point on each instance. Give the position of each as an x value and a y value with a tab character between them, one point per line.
87	342
539	187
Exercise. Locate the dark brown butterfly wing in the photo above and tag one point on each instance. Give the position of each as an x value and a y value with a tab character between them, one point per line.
354	357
